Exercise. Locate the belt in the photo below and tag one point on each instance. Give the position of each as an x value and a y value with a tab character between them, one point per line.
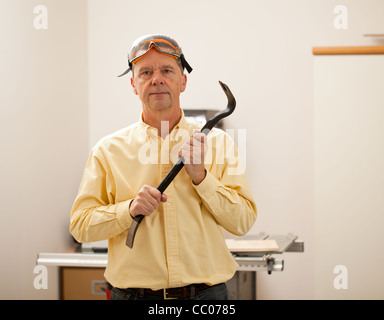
172	293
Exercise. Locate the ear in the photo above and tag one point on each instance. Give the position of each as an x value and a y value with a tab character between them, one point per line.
183	83
133	86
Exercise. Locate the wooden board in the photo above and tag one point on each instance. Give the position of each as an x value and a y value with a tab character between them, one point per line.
252	245
347	50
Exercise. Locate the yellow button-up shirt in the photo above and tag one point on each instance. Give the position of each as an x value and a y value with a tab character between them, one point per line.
182	241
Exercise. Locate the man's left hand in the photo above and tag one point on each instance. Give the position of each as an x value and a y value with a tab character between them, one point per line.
193	152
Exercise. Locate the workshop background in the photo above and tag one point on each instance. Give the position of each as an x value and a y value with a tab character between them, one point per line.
60	94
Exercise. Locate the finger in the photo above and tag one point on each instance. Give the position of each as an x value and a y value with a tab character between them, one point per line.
143	207
148	199
199	138
184	149
137	208
155	194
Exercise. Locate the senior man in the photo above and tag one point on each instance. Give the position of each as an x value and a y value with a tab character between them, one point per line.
180	250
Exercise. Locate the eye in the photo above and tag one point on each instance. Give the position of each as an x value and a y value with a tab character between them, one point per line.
145	74
167	71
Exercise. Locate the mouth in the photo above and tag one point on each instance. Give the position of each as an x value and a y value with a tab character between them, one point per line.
157	93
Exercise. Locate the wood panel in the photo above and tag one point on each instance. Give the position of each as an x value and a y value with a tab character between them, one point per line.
348	50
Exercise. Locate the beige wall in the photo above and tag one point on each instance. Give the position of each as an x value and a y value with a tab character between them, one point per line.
349	176
261	49
44	136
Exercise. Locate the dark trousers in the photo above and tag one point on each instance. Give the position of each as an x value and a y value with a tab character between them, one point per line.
216	292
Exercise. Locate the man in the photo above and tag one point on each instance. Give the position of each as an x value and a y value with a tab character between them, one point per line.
179	249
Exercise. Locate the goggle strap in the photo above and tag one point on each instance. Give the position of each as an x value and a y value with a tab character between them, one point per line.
125	72
185	64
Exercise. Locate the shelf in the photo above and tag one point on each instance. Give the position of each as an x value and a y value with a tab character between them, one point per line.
73	259
347	50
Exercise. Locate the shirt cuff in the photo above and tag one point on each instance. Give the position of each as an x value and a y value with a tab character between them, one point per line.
123	216
207	187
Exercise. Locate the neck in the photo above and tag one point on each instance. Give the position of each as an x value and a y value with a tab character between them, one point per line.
163	120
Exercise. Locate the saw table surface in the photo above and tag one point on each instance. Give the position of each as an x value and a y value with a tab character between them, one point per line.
252	245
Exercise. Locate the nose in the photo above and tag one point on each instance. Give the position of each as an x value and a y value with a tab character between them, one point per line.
157	78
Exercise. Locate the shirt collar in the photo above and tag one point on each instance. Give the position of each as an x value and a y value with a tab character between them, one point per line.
151	131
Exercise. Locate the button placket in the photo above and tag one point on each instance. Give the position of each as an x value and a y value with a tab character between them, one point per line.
170	218
172	247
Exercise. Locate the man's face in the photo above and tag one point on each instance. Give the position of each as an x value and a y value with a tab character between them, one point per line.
158	81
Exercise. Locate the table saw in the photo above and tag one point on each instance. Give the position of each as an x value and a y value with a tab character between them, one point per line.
259	252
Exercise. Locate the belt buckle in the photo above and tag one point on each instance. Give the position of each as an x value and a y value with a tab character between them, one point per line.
165	295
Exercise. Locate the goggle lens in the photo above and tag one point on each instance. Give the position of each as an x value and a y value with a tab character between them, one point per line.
163	44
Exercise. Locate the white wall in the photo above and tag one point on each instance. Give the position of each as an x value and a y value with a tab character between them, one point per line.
44	136
349	176
263	51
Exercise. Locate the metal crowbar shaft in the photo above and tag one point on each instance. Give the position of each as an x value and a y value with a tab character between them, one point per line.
180	163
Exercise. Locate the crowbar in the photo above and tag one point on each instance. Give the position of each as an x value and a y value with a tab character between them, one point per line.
180	162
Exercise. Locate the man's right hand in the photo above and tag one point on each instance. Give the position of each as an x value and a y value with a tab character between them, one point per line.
146	201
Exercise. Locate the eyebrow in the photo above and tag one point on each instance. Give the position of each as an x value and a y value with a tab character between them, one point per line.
168	66
147	68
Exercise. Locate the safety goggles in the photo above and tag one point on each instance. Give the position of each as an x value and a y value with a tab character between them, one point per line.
162	44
